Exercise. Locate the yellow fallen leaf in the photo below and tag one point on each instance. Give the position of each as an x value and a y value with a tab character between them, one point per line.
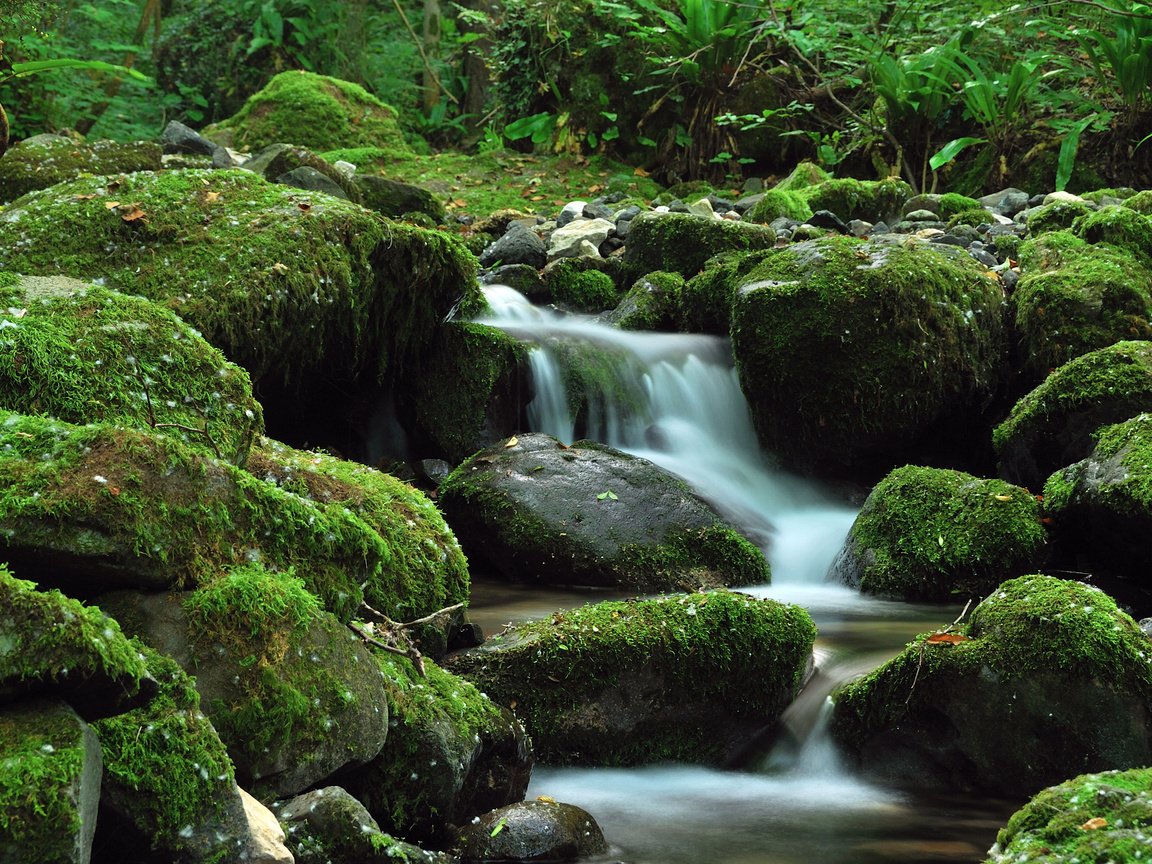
1094	824
111	205
1002	497
547	799
512	442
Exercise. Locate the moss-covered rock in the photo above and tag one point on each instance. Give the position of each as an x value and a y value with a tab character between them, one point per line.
45	162
681	243
706	299
397	200
1101	507
155	371
1096	296
54	644
871	200
533	509
580	284
293	694
451	755
652	303
803	176
329	825
1118	226
1049	679
1094	817
849	350
935	534
1052	426
276	160
426	570
313	111
169	788
281	280
50	768
1056	215
776	203
632	682
1049	251
469	392
99	507
1141	202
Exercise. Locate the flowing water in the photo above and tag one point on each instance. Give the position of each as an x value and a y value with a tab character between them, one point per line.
674	399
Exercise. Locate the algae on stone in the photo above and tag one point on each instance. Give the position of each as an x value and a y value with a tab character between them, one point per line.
936	534
155	371
640	681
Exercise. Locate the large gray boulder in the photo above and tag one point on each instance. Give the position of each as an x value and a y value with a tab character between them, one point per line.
534	509
533	831
1048	680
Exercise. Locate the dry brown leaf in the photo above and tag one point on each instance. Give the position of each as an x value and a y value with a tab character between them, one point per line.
1094	824
1002	497
111	205
946	639
547	799
209	197
86	197
640	172
134	213
304	205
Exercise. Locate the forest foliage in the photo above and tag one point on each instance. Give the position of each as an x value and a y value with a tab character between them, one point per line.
690	88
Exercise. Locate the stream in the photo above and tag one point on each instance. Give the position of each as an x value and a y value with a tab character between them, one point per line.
675	400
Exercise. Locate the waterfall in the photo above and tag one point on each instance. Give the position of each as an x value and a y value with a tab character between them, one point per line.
674	399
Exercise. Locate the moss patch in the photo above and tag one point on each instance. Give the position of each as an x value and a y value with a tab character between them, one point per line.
631	682
682	243
779	202
38	165
426	570
932	534
155	371
652	303
871	200
1094	817
313	111
1119	226
1055	216
276	277
575	285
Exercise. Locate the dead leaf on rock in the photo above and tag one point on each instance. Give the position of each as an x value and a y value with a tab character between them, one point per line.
1002	497
512	442
1094	824
946	639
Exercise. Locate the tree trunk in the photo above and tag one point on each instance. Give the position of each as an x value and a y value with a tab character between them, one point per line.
432	51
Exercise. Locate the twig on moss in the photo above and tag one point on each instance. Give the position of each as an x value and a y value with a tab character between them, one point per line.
923	644
411	652
134	364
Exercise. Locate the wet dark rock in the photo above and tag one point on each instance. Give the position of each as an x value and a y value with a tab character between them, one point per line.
395	199
532	831
827	219
518	245
309	179
178	138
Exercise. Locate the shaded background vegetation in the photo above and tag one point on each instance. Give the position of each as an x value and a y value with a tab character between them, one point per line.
966	95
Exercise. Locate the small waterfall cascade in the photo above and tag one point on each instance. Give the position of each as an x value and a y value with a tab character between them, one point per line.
675	400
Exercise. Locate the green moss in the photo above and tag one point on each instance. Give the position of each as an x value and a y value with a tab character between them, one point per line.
49	637
1101	384
155	371
426	570
133	508
682	243
42	763
1118	226
1055	216
1141	202
575	285
695	650
776	203
313	111
470	373
652	303
1063	823
871	200
844	346
31	166
1049	251
931	534
1029	625
1008	246
275	277
1127	487
1092	300
951	205
165	767
1097	196
706	299
695	557
975	216
803	176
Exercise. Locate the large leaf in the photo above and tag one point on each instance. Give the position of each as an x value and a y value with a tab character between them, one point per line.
34	67
951	150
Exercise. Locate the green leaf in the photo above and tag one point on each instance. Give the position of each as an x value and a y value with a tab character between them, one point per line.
951	150
34	67
609	495
1068	148
500	826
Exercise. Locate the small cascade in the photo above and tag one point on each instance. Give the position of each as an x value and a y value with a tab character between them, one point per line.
674	399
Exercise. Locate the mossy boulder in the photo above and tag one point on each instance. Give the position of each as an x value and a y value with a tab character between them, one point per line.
50	769
294	695
871	200
1118	226
1141	202
46	161
1101	507
451	755
681	242
581	284
1093	817
804	176
533	509
277	160
284	282
57	646
652	303
169	788
1049	251
425	571
469	391
706	299
99	507
397	200
1052	426
1056	215
639	681
329	825
313	111
533	831
776	203
155	371
936	534
1049	679
848	351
